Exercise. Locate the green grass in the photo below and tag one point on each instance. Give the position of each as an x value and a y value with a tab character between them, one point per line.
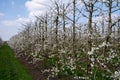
10	68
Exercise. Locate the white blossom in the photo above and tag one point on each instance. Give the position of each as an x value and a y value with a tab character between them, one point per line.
90	52
54	69
62	51
112	35
92	65
92	59
116	75
103	44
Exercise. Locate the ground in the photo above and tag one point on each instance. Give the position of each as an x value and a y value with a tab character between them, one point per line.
33	69
10	68
18	68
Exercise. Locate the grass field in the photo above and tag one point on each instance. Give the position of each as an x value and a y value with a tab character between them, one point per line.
10	68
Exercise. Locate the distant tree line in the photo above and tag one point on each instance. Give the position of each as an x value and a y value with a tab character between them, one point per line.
1	42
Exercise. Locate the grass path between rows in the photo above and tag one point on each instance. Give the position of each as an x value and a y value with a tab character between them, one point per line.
10	68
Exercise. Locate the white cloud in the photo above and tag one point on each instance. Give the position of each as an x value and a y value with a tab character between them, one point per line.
9	28
8	23
5	34
22	20
35	13
34	5
37	7
13	23
2	14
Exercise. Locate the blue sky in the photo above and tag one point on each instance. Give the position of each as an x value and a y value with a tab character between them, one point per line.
15	12
13	8
10	11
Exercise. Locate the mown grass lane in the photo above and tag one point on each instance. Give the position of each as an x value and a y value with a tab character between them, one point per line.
10	68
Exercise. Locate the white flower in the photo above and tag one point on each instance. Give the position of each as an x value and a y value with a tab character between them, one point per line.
92	50
90	53
97	48
108	58
71	62
112	35
92	59
55	45
89	34
102	64
112	56
55	69
92	65
116	75
103	44
62	51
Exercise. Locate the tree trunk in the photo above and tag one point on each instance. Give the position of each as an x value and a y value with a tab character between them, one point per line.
89	41
73	44
109	27
64	30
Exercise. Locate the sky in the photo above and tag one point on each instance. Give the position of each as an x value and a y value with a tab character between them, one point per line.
13	13
10	12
